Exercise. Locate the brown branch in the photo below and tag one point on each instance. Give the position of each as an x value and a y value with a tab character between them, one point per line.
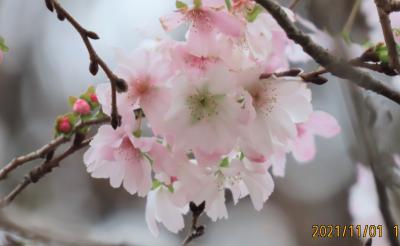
46	149
38	172
334	65
117	84
385	211
389	6
368	242
195	230
388	33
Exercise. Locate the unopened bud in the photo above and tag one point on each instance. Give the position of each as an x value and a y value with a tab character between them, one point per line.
81	107
64	125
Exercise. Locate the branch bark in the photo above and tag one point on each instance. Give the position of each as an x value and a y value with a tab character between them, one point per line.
39	172
117	84
46	149
195	231
334	65
381	5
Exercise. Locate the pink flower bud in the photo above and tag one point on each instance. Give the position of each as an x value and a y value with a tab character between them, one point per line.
173	179
93	98
64	125
81	107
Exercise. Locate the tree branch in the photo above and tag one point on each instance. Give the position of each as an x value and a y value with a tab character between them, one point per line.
38	172
381	5
117	84
195	231
46	149
334	65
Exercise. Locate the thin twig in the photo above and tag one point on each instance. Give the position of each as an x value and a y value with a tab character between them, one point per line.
388	33
294	4
368	242
117	84
195	230
334	65
46	149
38	172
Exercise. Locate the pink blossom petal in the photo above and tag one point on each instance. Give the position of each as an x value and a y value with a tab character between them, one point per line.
323	124
172	21
226	23
304	147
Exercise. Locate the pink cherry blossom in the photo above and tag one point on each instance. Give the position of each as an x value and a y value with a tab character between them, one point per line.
319	123
206	22
81	107
280	104
118	156
162	207
205	113
242	178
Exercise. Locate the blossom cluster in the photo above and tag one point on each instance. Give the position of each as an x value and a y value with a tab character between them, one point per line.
197	120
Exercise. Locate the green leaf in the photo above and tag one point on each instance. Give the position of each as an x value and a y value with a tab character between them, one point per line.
382	52
346	37
252	15
3	46
241	157
228	4
155	184
197	4
180	5
91	90
170	188
71	101
224	162
137	133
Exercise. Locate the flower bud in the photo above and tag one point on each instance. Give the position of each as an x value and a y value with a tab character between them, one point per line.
81	107
93	98
64	125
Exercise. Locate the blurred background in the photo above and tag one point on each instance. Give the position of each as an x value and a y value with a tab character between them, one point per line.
47	62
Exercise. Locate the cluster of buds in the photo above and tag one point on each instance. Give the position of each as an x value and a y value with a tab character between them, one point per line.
84	108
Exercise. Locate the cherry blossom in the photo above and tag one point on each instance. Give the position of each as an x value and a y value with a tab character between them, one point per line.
119	156
206	21
213	125
320	123
205	113
280	104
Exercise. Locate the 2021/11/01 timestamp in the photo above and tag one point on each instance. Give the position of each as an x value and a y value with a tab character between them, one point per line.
349	231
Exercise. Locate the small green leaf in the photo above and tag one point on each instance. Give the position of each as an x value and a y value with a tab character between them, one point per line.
346	37
71	101
228	4
241	157
197	4
137	133
155	184
252	15
180	5
170	188
382	52
224	162
3	46
91	90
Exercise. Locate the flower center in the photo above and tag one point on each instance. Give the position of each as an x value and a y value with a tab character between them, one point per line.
203	105
128	152
141	87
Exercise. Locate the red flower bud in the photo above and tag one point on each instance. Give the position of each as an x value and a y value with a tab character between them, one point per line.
81	107
93	98
63	125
